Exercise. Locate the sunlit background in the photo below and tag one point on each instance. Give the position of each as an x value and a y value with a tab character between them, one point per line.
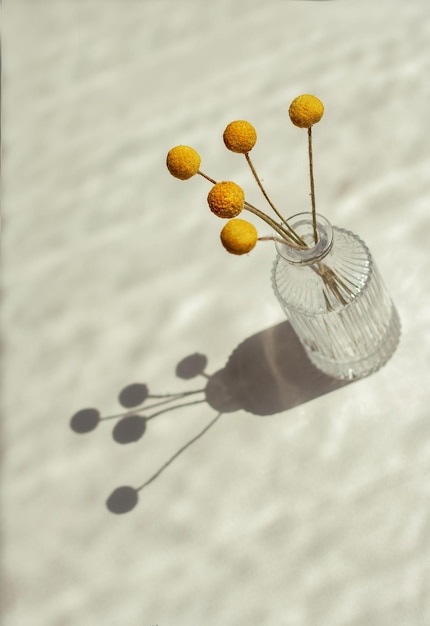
169	457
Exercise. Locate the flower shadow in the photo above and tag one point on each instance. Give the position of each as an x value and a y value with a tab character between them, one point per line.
267	374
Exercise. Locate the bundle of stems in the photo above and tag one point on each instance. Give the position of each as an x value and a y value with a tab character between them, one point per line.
287	235
285	232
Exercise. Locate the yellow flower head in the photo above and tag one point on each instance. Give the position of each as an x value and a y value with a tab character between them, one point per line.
240	136
239	236
306	110
226	199
183	162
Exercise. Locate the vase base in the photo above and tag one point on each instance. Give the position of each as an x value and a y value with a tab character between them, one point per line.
364	366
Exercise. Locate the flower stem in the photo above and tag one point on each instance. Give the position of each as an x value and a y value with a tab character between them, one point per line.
263	191
288	235
278	239
211	180
260	184
311	176
285	234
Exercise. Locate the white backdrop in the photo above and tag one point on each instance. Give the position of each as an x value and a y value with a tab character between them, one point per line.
302	502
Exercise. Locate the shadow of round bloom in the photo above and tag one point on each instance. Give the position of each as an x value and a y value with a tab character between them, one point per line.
220	394
133	395
122	500
129	429
191	366
85	420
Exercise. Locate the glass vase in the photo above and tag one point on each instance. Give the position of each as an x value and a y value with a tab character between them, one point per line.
335	300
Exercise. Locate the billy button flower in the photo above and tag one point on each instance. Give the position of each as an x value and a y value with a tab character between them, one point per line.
226	199
306	110
239	236
183	162
240	136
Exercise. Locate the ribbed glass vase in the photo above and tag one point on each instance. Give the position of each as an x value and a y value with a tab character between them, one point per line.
335	300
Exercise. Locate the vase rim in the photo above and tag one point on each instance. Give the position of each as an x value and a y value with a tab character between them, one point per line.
302	224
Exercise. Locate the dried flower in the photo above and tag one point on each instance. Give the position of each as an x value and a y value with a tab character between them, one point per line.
183	162
239	236
226	199
306	110
240	136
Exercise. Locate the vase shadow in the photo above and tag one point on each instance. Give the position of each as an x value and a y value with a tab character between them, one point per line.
268	373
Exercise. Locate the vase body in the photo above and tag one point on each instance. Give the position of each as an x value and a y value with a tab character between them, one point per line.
335	300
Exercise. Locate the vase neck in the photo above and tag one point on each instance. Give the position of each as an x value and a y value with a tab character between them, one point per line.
302	224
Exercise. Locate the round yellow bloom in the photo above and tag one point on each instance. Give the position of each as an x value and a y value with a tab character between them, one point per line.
226	199
183	162
239	236
240	136
306	110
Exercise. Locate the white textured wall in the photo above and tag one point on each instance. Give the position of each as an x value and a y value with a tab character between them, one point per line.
112	272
